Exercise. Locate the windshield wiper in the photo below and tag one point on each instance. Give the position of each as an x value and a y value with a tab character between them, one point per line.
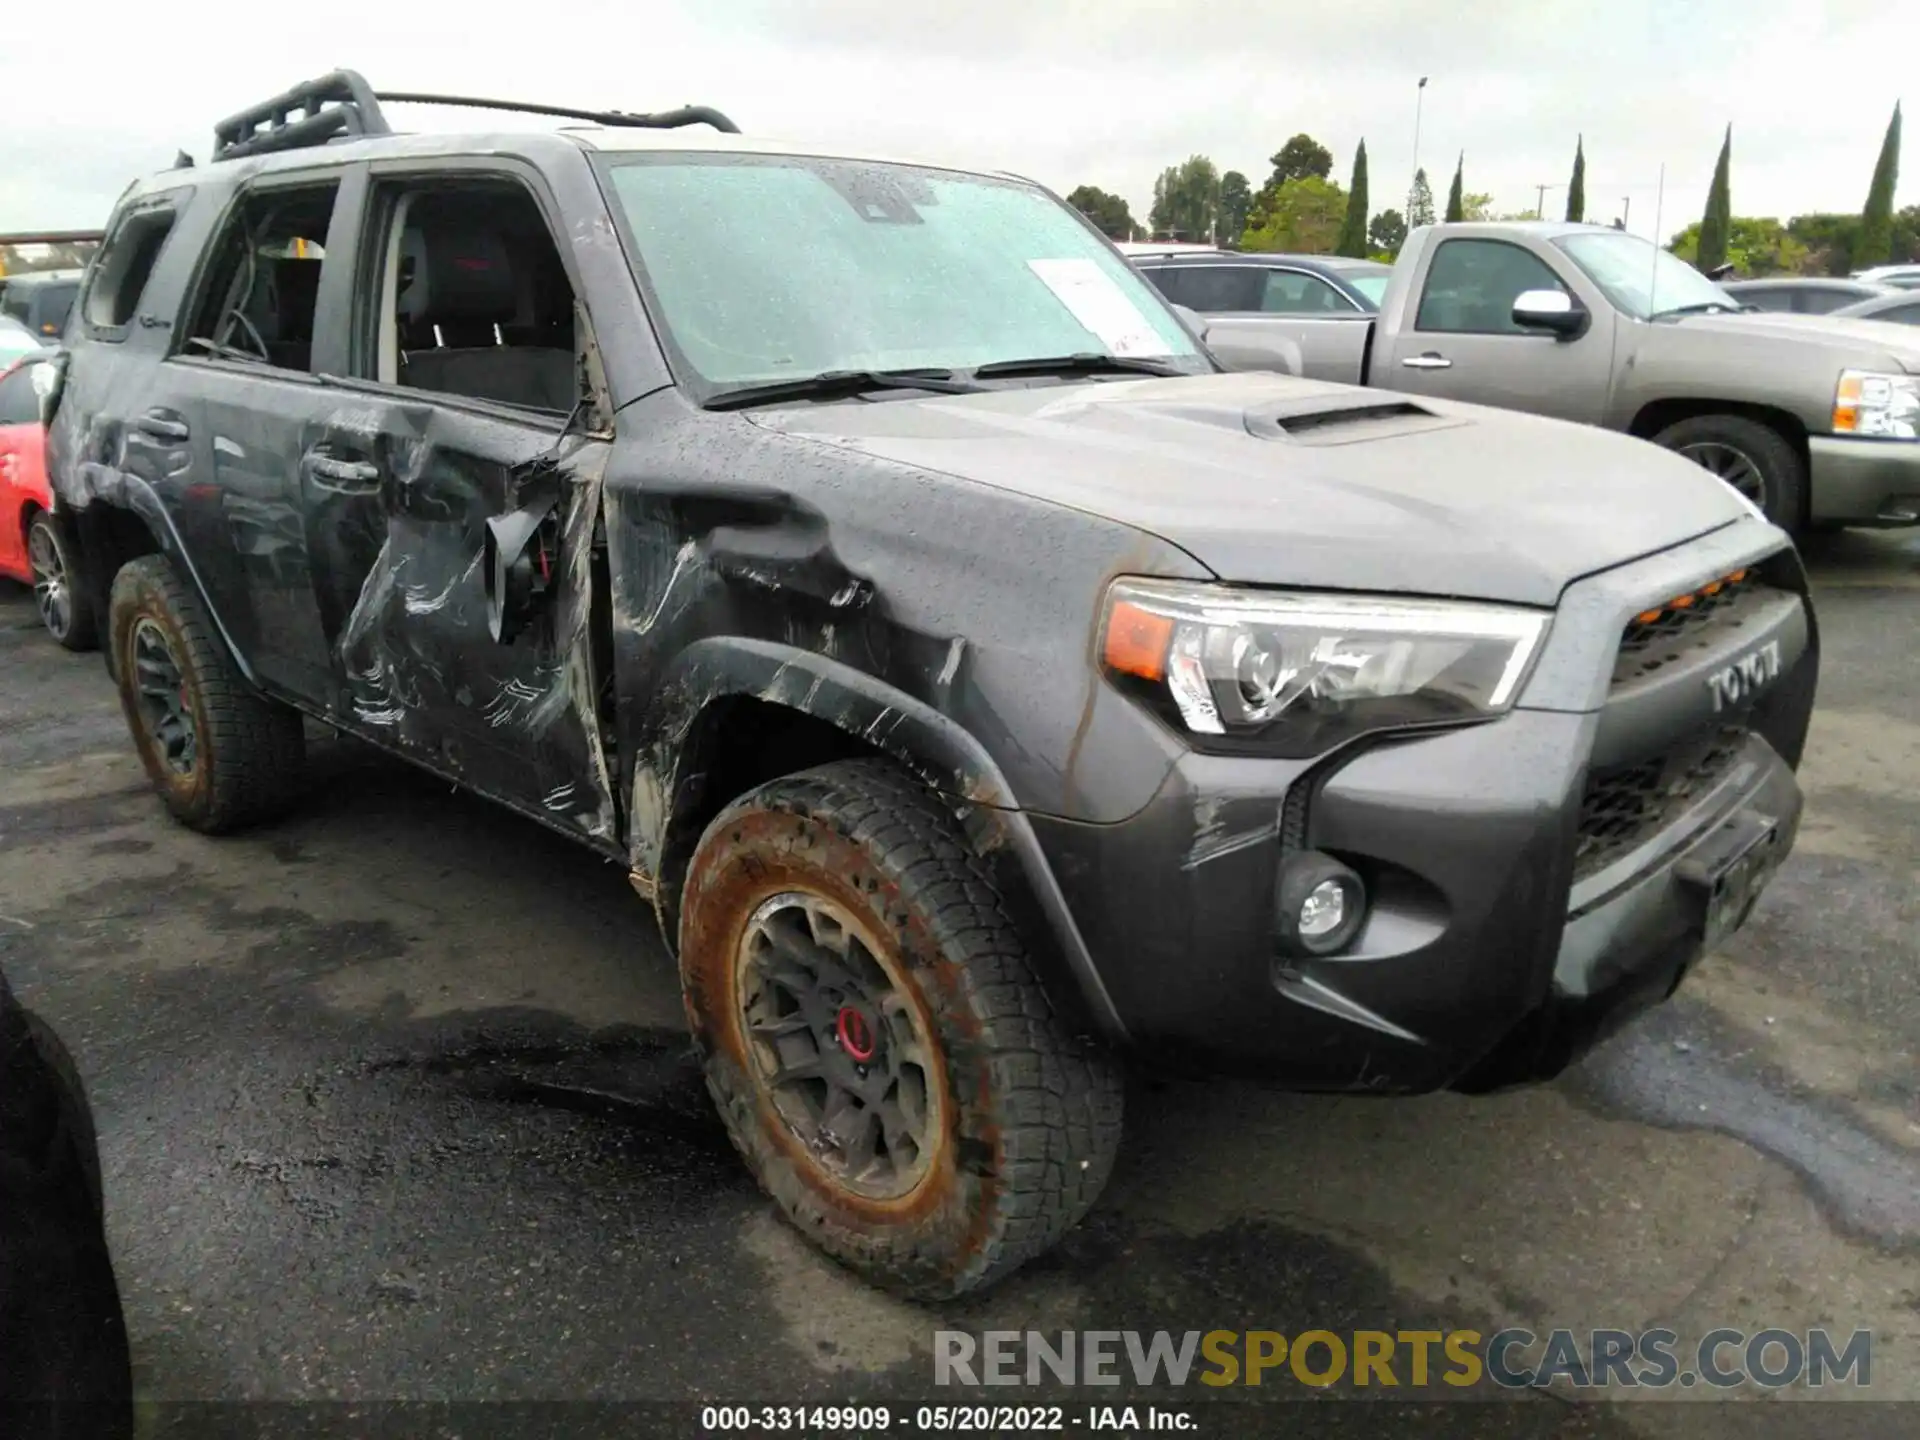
1699	307
838	384
1087	362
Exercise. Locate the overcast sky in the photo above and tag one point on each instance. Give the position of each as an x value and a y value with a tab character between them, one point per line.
1104	92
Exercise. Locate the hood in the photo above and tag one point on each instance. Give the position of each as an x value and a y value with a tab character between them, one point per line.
1269	479
1868	344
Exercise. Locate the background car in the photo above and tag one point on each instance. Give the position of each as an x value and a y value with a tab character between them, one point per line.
32	548
1802	295
1900	307
1223	282
40	299
1901	277
16	341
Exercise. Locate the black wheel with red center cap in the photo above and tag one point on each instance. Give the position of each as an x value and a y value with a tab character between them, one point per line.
838	1044
876	1039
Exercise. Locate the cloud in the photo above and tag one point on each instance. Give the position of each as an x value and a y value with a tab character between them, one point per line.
1106	92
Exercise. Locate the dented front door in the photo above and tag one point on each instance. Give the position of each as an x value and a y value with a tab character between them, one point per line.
406	606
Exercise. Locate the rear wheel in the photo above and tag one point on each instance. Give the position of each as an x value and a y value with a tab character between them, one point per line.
876	1039
64	608
220	754
1753	458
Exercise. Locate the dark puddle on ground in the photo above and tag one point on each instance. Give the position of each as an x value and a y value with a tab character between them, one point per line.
646	1084
1682	1068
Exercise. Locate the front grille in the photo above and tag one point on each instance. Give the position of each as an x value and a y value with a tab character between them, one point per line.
1664	634
1624	806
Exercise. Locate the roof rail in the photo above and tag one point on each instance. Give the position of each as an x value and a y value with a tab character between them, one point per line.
659	120
341	103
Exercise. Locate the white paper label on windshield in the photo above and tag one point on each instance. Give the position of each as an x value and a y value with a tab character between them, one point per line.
1100	305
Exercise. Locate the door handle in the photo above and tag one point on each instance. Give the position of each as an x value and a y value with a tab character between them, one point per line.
161	425
344	474
1428	361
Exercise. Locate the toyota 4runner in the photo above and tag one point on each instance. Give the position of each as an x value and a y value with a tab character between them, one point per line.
981	685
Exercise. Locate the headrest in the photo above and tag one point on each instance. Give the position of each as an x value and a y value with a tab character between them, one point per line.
448	276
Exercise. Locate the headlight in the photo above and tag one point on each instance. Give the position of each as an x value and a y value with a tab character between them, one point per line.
1296	675
1867	402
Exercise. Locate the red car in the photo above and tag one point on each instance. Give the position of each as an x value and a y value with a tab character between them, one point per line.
31	549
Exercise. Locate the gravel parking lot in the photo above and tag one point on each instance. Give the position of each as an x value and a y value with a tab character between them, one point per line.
394	1103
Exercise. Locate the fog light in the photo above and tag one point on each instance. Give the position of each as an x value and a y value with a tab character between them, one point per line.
1319	905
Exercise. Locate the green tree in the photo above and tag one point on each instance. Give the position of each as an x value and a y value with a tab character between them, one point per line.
1756	245
1456	205
1301	158
1109	213
1577	187
1829	240
1420	202
1714	224
1304	216
1475	206
1236	200
1388	232
1875	245
1186	200
1353	233
1906	235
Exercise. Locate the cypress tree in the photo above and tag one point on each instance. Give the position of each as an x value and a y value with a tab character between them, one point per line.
1577	187
1718	219
1456	202
1875	245
1353	231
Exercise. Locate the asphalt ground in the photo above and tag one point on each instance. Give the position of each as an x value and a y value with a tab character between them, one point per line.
395	1105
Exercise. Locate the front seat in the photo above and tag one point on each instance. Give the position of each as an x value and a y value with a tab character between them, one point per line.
459	292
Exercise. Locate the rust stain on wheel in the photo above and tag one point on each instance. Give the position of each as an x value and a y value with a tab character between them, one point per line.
817	1006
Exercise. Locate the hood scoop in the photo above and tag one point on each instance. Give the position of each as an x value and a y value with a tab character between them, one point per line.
1319	420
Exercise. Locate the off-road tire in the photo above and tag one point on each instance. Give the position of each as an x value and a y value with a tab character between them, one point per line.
1031	1115
81	631
250	752
1783	472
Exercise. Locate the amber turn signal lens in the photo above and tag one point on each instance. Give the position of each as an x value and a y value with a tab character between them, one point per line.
1137	642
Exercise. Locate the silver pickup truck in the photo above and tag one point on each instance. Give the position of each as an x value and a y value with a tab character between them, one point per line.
1815	420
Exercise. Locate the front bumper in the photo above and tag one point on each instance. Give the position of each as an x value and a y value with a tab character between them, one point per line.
1510	925
1481	964
1863	482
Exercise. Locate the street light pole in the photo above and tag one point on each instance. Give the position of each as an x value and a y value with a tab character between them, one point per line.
1419	95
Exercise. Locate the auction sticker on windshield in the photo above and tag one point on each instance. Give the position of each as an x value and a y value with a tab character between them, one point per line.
1100	305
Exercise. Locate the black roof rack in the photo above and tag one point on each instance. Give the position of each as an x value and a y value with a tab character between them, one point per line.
342	103
658	120
311	114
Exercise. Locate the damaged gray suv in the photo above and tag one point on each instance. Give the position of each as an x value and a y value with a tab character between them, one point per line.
985	690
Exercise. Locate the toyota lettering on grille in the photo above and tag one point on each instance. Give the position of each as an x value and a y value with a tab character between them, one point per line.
1734	683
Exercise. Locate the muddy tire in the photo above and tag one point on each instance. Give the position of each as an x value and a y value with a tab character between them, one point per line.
1755	459
66	610
220	754
876	1039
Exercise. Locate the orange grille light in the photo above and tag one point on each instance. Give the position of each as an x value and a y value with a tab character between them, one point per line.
1137	642
1683	602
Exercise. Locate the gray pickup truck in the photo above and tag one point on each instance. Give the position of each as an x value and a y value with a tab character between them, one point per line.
1814	419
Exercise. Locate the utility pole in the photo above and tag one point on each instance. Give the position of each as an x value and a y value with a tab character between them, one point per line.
1626	208
1419	95
1540	202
